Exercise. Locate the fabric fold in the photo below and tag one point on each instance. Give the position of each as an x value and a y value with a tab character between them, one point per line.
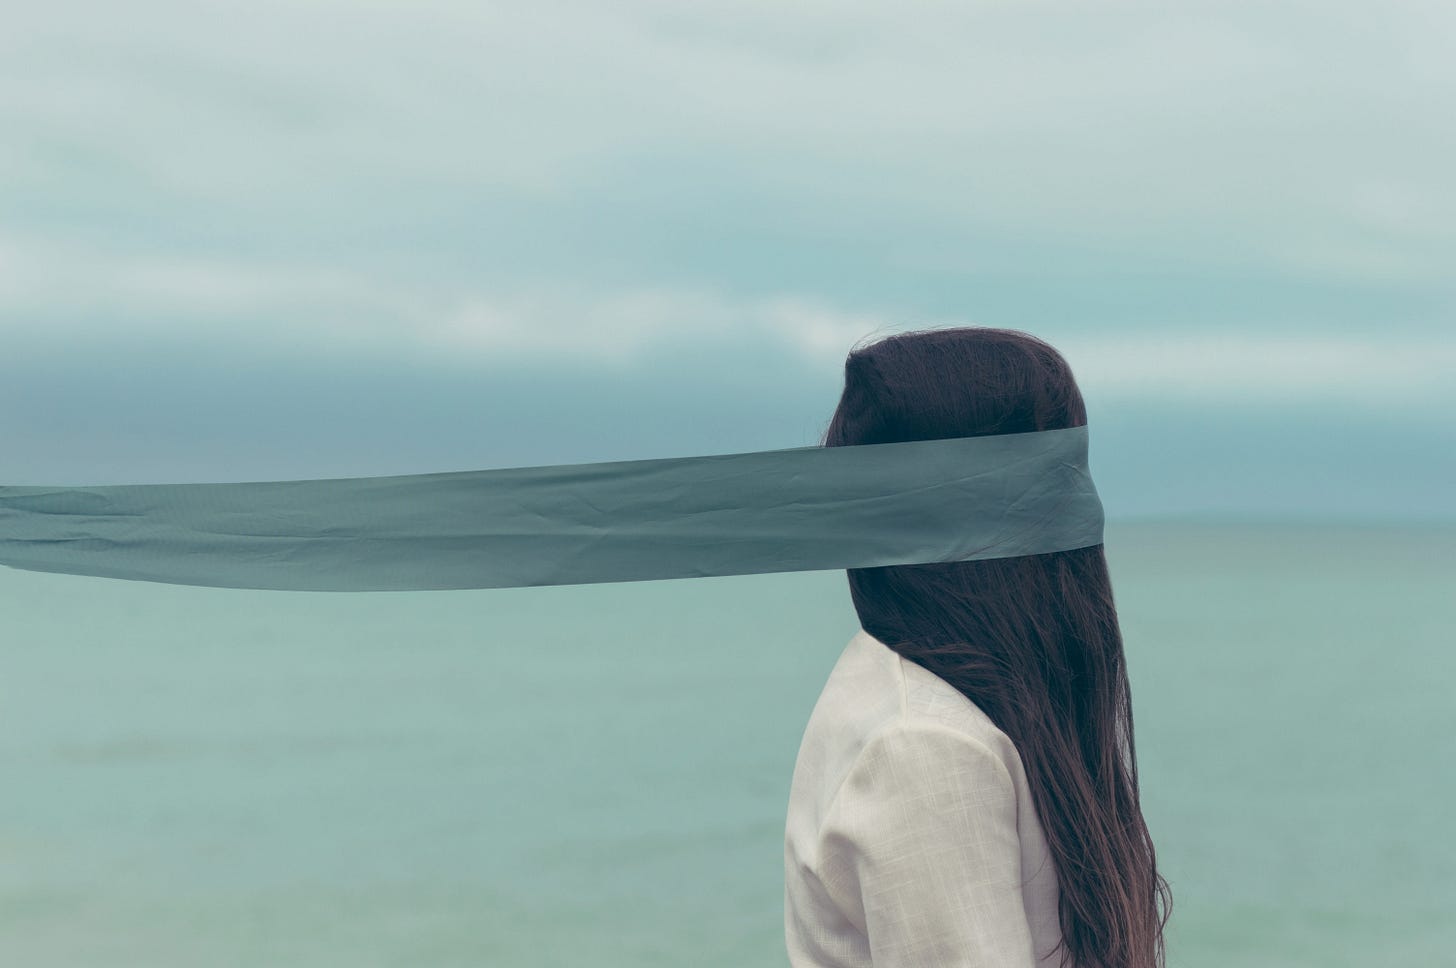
793	509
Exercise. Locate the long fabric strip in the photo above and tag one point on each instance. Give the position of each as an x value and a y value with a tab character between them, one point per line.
795	509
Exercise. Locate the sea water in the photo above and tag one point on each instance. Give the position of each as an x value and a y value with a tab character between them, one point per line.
597	774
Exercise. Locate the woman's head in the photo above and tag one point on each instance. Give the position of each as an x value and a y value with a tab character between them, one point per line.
962	382
1034	641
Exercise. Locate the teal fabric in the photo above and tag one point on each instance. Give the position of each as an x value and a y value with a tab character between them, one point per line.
796	509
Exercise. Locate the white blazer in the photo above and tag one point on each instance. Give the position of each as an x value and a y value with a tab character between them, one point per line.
911	840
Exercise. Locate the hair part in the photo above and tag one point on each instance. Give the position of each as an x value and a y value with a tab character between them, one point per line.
1033	641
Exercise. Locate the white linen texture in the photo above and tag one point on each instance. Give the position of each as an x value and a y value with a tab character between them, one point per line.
911	839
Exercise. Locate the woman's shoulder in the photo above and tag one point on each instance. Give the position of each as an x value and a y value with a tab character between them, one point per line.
875	698
923	700
883	719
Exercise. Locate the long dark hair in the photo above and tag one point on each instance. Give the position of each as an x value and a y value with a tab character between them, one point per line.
1033	641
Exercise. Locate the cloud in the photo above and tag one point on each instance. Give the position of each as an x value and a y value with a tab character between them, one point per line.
1230	368
611	183
83	293
621	327
1309	139
324	310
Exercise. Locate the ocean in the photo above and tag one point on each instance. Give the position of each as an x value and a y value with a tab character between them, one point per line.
597	774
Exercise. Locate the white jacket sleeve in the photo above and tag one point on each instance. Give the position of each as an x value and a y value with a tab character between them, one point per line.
920	850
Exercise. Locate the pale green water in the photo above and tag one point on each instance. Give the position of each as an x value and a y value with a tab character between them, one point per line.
598	774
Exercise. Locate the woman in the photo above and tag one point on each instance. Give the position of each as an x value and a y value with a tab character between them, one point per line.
966	792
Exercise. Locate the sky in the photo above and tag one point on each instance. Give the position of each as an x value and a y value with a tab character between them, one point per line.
321	238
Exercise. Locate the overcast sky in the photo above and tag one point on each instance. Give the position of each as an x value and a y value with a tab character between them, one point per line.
330	238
